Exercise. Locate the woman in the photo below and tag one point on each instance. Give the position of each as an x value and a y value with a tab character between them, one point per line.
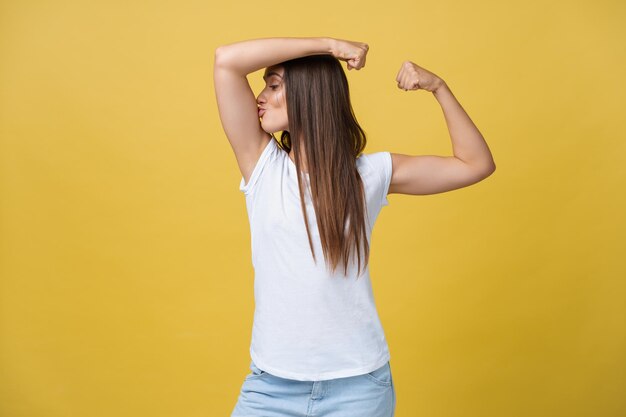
318	347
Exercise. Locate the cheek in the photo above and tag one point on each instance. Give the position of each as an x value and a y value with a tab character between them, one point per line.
279	99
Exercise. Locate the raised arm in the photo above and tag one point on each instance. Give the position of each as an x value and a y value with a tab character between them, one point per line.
430	174
236	101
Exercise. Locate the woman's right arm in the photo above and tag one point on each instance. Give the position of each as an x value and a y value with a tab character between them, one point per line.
236	101
249	56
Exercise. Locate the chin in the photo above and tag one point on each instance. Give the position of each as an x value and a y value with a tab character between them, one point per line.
271	129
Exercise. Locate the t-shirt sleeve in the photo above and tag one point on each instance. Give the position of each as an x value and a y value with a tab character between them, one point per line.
266	155
386	172
380	162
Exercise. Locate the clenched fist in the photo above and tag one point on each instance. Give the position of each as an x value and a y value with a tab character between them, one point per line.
354	53
413	77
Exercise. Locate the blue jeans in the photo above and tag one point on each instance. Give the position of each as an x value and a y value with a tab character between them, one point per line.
367	395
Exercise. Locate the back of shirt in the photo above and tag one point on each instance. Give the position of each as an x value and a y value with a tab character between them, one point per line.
309	324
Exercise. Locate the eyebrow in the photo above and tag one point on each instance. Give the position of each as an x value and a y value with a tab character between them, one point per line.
269	74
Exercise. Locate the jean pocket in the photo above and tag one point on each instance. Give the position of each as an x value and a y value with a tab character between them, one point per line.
256	372
381	376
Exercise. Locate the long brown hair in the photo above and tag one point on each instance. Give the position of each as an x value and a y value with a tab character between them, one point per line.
320	113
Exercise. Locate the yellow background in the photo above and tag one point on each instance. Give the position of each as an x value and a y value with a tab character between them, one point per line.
126	283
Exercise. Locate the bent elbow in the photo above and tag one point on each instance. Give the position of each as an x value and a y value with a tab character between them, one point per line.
484	171
217	55
489	170
220	55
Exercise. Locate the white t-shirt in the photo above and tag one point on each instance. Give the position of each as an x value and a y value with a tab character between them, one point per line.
309	325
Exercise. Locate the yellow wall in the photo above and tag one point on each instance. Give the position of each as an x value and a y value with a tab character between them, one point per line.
126	282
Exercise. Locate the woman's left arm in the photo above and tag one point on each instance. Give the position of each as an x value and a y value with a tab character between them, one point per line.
431	174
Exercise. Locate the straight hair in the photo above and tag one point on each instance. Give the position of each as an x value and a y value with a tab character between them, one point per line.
322	125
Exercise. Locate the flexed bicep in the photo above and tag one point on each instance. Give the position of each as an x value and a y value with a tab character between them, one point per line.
431	174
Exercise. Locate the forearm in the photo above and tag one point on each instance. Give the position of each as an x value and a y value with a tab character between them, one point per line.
468	143
251	55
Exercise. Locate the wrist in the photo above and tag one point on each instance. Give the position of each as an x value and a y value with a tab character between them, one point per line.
440	86
330	45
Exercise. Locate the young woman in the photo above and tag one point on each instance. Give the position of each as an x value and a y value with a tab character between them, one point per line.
318	347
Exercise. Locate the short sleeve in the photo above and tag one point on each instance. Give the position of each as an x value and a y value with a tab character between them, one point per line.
258	168
386	176
380	163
